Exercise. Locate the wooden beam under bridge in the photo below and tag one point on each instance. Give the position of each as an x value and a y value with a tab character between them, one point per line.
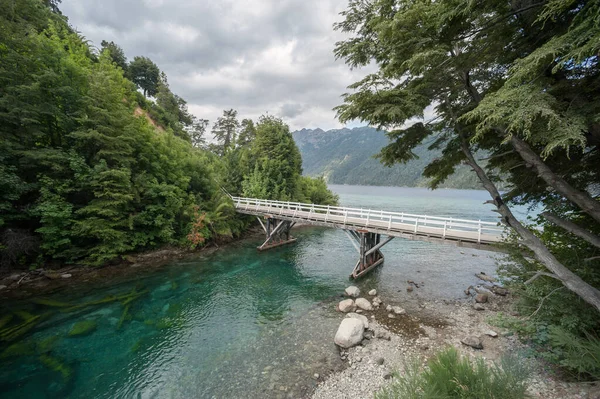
368	245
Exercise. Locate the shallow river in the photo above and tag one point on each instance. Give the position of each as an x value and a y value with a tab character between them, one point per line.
235	323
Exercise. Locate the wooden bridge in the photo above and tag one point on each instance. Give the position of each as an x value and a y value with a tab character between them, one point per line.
365	227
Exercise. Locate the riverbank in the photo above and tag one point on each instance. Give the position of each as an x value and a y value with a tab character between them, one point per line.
20	285
427	327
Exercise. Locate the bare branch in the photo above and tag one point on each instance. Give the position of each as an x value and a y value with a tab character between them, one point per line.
591	259
538	274
542	302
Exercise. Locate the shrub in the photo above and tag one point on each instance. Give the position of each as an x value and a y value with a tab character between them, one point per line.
449	375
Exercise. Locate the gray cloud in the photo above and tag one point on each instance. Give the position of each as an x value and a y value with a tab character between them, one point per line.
256	56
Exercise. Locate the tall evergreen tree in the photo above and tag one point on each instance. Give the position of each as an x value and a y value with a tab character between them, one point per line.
225	129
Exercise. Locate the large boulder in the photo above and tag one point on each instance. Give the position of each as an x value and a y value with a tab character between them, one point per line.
363	304
353	291
347	305
349	333
359	317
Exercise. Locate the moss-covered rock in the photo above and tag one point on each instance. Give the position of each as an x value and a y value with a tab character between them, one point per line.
82	328
22	348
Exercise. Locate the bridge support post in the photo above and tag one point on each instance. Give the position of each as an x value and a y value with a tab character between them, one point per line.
370	255
277	231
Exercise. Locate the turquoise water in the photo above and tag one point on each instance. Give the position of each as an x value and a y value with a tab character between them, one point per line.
234	323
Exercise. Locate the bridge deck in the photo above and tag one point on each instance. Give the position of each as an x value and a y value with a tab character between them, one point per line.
461	232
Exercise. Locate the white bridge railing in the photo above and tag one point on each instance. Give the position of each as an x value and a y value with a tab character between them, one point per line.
442	227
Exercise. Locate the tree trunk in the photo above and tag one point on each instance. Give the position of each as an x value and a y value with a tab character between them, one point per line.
569	279
573	228
582	199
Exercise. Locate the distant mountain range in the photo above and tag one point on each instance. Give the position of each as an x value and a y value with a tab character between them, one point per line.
345	156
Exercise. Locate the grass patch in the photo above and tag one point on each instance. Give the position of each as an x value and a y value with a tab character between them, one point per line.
450	375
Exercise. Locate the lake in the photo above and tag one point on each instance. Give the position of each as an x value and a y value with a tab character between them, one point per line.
236	322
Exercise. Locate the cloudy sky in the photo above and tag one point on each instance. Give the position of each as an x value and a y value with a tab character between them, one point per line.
256	56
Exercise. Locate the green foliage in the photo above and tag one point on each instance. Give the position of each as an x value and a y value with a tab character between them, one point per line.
145	74
116	53
449	375
579	355
86	162
278	164
315	191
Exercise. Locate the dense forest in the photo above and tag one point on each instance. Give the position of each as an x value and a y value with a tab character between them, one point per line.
347	156
519	80
99	158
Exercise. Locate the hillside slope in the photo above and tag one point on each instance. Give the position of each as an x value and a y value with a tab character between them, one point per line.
345	156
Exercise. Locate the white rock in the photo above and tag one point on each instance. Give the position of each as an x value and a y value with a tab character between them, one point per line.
398	310
364	304
2	287
352	291
66	275
347	305
349	333
373	292
359	317
388	308
491	333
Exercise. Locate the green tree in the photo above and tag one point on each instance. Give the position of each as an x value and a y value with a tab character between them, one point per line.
225	130
278	164
116	54
145	74
512	79
247	133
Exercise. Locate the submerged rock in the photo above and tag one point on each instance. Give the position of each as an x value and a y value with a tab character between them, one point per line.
349	333
472	341
373	292
364	304
359	317
83	328
353	291
347	305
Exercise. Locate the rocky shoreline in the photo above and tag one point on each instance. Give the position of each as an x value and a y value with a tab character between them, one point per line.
378	339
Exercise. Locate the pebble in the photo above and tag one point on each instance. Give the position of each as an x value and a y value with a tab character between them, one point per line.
373	292
478	306
66	275
379	360
316	376
2	287
491	333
